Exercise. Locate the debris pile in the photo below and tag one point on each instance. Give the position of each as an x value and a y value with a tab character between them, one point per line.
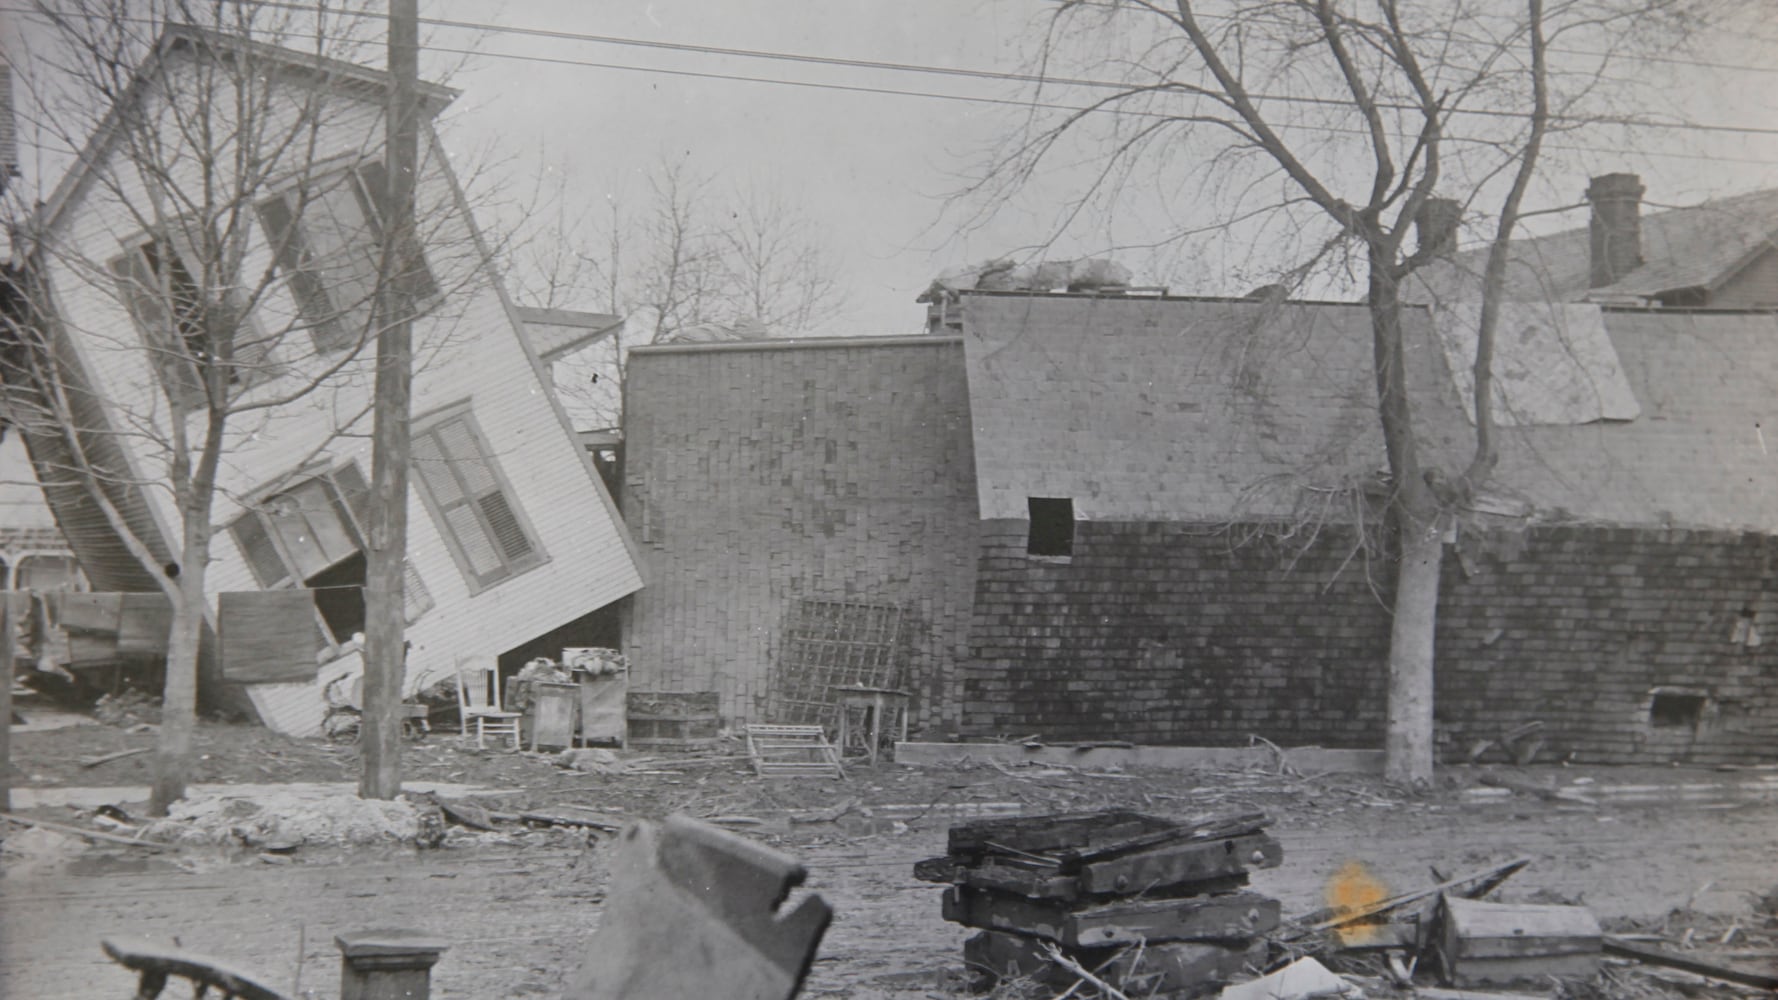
1150	906
275	820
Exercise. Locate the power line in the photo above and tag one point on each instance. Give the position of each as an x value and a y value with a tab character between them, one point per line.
994	75
1675	60
1004	102
1008	102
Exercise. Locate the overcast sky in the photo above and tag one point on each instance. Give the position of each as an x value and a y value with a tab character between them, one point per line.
873	168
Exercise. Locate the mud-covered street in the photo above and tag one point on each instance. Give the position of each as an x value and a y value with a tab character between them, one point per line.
520	917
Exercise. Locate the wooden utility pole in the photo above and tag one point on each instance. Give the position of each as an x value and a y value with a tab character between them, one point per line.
8	628
385	626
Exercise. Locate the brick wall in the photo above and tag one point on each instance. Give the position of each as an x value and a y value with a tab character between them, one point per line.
1576	627
1170	634
761	474
1165	633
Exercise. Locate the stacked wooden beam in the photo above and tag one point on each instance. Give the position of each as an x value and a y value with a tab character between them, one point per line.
1146	904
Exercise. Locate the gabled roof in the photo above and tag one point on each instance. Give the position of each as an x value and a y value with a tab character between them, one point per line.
1208	411
1682	248
317	69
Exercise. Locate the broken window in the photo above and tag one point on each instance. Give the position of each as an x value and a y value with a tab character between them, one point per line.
471	502
327	237
312	535
1052	526
190	325
1670	709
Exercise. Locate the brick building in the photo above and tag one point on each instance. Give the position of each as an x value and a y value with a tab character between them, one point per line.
1139	518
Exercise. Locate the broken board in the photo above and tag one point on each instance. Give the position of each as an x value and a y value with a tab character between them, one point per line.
694	911
1238	915
1155	968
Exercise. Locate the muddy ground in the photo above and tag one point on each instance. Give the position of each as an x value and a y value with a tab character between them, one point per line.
520	913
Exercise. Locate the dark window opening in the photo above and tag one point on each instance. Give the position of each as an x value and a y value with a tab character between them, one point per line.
339	596
1052	526
1676	710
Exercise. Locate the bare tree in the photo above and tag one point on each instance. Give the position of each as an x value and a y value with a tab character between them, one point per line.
1341	121
229	291
691	264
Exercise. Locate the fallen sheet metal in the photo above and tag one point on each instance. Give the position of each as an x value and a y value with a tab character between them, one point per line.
695	911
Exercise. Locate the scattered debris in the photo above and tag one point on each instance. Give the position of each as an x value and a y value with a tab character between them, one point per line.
1487	944
695	911
592	760
1125	900
98	835
91	762
279	816
1300	980
1469	886
1674	960
128	709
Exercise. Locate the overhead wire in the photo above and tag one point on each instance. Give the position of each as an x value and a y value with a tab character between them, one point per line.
960	72
981	74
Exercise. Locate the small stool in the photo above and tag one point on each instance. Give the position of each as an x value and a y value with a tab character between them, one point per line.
874	702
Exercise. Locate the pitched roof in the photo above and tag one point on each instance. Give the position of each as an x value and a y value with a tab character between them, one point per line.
557	333
1682	248
1203	410
1144	408
323	70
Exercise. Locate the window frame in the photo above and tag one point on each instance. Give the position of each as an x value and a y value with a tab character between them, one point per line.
174	357
511	568
417	599
328	332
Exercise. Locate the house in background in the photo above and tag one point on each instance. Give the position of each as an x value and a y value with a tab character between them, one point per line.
513	539
1115	516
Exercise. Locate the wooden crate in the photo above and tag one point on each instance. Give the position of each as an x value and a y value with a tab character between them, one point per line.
1498	943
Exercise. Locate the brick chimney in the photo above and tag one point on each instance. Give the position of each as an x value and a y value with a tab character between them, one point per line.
1435	225
1616	227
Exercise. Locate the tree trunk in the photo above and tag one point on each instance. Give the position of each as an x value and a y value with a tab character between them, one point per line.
179	695
1408	742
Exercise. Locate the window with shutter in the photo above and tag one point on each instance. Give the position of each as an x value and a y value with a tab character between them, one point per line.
182	327
472	503
326	236
312	535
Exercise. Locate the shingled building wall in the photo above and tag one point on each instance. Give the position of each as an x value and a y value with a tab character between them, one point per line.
762	474
1172	634
1175	634
1581	627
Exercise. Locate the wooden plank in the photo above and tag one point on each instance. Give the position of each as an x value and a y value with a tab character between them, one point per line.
1306	759
1238	916
1112	843
1155	969
1474	884
1688	963
1179	863
694	911
109	838
268	636
1044	833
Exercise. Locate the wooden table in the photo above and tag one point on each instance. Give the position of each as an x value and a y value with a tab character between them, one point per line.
874	701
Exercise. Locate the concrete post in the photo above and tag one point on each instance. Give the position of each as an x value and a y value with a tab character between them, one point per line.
387	964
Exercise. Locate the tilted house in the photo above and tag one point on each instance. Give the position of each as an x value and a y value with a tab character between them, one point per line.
1128	517
512	539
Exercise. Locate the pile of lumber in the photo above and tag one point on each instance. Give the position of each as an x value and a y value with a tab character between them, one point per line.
1150	906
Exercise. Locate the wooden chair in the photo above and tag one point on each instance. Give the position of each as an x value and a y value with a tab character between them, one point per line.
478	702
155	963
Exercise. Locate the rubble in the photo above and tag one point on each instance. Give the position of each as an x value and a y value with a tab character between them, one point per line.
287	818
1141	903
